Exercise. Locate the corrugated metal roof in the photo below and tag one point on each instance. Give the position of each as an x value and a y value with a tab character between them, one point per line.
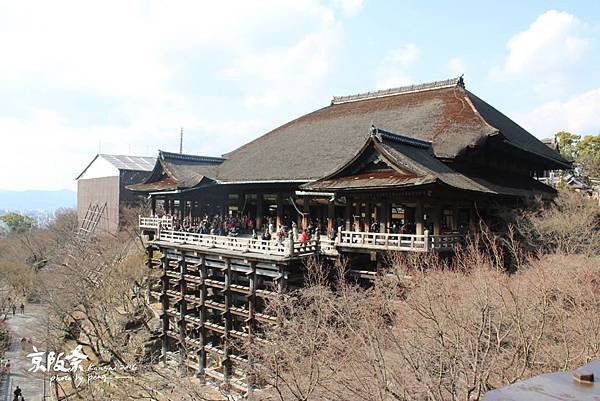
135	163
551	387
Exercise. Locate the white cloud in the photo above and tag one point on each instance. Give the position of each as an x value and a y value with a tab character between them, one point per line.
271	76
350	7
392	71
151	62
457	66
543	52
47	152
578	115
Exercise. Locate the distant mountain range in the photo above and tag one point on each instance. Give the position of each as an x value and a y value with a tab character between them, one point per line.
36	201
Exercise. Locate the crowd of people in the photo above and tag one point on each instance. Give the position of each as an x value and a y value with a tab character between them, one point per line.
233	226
216	225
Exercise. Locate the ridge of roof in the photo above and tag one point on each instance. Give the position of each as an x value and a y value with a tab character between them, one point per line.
447	83
121	155
405	140
190	158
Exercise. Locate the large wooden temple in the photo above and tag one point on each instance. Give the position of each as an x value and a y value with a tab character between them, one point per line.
408	169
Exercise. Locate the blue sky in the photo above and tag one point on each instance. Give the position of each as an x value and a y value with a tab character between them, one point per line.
77	77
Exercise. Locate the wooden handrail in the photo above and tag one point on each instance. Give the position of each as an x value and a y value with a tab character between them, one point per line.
409	242
290	248
267	247
154	222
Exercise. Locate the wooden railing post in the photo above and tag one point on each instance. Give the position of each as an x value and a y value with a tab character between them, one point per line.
290	245
426	240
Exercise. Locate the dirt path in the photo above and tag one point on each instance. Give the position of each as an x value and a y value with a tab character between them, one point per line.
28	325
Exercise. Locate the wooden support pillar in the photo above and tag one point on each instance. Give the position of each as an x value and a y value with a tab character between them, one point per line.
330	216
348	214
227	325
279	211
280	281
202	316
149	256
419	217
473	218
455	218
252	297
251	325
165	306
436	216
385	217
368	216
182	313
153	206
306	212
259	211
241	203
357	216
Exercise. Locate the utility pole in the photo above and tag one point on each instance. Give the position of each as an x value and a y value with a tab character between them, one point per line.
181	141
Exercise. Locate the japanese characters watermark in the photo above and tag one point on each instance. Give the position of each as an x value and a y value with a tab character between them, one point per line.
68	366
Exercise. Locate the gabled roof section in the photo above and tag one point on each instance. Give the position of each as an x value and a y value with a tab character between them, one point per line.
413	163
515	135
176	170
124	162
374	166
442	112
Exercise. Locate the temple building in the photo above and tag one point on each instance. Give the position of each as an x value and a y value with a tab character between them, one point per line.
411	169
426	157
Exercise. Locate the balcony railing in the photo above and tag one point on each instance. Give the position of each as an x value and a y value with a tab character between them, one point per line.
154	222
398	242
240	244
289	248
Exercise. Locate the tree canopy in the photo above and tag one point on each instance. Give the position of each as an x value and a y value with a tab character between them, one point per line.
17	222
583	150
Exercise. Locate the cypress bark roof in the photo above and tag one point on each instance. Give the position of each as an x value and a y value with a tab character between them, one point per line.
175	170
438	121
443	113
413	163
